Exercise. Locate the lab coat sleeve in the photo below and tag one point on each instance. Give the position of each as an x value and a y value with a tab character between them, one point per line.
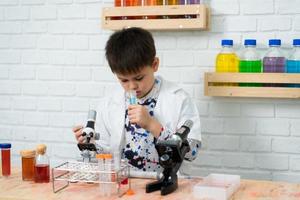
102	128
189	111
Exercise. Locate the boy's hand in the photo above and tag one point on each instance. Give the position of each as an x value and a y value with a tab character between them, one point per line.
139	115
77	130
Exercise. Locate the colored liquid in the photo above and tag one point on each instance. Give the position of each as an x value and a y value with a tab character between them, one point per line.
5	154
274	65
251	67
28	168
188	2
132	2
227	63
150	3
293	66
42	174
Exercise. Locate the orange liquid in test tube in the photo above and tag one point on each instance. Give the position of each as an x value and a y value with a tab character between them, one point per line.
150	3
172	2
167	2
132	3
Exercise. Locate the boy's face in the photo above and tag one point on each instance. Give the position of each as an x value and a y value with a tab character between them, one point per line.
142	82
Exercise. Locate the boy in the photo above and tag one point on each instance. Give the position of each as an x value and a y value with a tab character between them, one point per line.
162	107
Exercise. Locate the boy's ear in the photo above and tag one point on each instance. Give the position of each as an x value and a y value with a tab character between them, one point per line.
155	64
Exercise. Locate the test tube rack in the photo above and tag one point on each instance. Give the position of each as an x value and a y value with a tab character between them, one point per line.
163	17
73	172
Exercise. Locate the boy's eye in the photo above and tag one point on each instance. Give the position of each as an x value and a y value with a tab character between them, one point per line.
139	78
124	81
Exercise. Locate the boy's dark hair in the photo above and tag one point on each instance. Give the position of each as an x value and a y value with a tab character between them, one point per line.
129	50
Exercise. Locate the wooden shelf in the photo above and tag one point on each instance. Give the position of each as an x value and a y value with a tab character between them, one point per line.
213	88
116	18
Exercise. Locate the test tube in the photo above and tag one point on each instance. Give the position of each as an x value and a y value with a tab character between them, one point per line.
101	167
132	97
108	170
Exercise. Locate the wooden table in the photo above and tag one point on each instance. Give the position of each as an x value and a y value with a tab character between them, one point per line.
13	188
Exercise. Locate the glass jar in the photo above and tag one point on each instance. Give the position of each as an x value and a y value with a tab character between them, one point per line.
5	155
42	170
28	163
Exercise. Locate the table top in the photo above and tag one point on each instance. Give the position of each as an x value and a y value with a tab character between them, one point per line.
13	188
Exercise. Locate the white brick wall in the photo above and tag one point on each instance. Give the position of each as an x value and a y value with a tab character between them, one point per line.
53	69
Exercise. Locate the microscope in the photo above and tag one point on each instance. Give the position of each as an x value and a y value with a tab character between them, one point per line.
171	153
88	148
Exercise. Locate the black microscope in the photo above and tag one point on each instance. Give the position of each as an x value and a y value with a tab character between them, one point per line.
88	148
171	153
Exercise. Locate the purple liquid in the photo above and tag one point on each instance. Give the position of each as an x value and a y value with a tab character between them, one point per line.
188	2
274	64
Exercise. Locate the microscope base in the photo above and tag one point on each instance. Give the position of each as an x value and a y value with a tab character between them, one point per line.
165	185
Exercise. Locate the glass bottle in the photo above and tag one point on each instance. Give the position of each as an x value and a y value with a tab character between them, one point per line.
274	60
5	157
42	170
250	61
28	164
293	61
227	60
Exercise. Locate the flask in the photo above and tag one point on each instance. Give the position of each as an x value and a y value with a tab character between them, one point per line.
28	164
5	157
250	61
274	60
42	171
227	60
293	61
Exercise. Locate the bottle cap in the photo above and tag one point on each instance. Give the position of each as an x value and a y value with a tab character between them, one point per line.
41	149
108	156
5	145
274	42
130	192
100	156
27	153
296	42
227	42
250	42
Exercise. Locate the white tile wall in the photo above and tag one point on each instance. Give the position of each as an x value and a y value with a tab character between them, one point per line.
53	69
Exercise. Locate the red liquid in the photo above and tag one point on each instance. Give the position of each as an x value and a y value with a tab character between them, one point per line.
5	153
42	174
125	181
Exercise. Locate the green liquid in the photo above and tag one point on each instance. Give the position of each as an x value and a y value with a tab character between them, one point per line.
254	66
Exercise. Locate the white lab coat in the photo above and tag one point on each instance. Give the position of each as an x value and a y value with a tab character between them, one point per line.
173	108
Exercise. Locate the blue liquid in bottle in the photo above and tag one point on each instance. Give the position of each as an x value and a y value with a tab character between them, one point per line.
293	62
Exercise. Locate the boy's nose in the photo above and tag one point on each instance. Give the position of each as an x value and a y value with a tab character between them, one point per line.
133	86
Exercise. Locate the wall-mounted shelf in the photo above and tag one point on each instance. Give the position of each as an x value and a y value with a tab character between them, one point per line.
212	86
175	17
